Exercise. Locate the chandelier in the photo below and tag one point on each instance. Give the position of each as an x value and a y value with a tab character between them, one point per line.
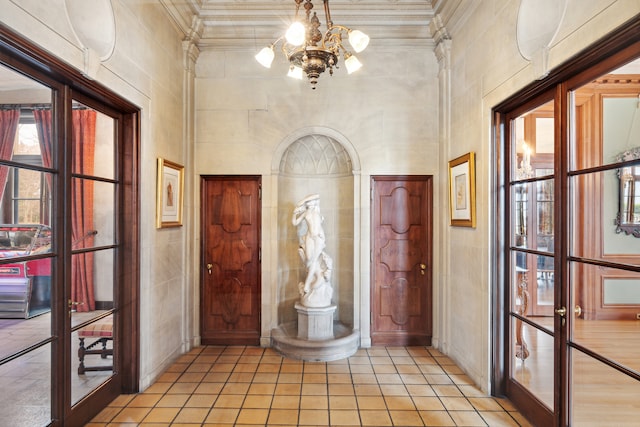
309	51
525	171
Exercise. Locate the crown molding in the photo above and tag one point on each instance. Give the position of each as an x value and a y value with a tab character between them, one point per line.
251	24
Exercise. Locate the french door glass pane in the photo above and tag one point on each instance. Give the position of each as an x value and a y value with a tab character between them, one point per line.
594	209
94	225
532	142
93	222
93	345
604	288
601	395
25	285
605	304
26	387
92	337
94	145
620	123
25	318
532	233
532	360
534	300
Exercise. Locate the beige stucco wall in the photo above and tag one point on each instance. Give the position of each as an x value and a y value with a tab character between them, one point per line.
145	68
385	115
486	68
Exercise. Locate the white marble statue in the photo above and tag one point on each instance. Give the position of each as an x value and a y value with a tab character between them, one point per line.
316	290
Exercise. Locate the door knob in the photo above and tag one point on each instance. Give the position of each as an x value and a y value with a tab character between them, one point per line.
562	311
209	267
72	306
578	310
422	268
74	303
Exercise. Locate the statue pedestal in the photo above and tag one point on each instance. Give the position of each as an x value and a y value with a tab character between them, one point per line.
315	324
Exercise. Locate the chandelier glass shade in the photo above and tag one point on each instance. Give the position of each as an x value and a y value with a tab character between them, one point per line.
311	52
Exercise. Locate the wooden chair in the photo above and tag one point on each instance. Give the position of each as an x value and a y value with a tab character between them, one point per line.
101	332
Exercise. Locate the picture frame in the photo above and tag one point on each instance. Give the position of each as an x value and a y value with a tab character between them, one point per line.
169	194
462	191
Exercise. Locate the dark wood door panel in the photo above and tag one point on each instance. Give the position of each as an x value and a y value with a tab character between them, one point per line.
230	290
402	273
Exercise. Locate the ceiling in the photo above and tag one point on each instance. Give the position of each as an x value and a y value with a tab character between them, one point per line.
234	24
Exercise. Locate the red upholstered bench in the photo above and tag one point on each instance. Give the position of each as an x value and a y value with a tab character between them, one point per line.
102	332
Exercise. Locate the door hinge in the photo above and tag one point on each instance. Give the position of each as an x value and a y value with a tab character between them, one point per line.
259	192
259	254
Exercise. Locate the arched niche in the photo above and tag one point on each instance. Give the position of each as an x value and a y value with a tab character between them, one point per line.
317	160
93	23
538	23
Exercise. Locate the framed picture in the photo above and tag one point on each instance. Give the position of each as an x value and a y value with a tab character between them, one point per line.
169	196
462	191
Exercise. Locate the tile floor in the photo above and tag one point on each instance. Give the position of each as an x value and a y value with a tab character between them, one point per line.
250	386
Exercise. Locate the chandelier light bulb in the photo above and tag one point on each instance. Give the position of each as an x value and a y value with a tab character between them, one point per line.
295	72
265	56
352	63
358	40
296	34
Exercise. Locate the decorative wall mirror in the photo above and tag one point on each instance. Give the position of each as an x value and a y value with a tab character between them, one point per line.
628	219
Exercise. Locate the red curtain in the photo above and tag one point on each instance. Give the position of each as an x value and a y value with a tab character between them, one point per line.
9	120
43	126
84	141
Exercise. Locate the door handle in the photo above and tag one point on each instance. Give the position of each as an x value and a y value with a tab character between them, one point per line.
423	267
74	303
209	265
562	311
72	306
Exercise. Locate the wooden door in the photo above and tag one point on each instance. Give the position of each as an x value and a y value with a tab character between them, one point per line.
230	272
402	265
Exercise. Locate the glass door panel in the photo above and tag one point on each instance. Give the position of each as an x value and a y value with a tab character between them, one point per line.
26	385
572	276
533	204
607	332
601	395
532	254
92	331
26	258
603	257
530	367
93	223
533	370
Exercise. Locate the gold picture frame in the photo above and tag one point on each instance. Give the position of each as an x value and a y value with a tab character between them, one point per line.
169	194
462	191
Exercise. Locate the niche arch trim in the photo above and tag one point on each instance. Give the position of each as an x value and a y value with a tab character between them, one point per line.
315	130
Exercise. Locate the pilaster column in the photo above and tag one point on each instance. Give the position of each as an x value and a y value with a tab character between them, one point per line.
190	312
442	309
